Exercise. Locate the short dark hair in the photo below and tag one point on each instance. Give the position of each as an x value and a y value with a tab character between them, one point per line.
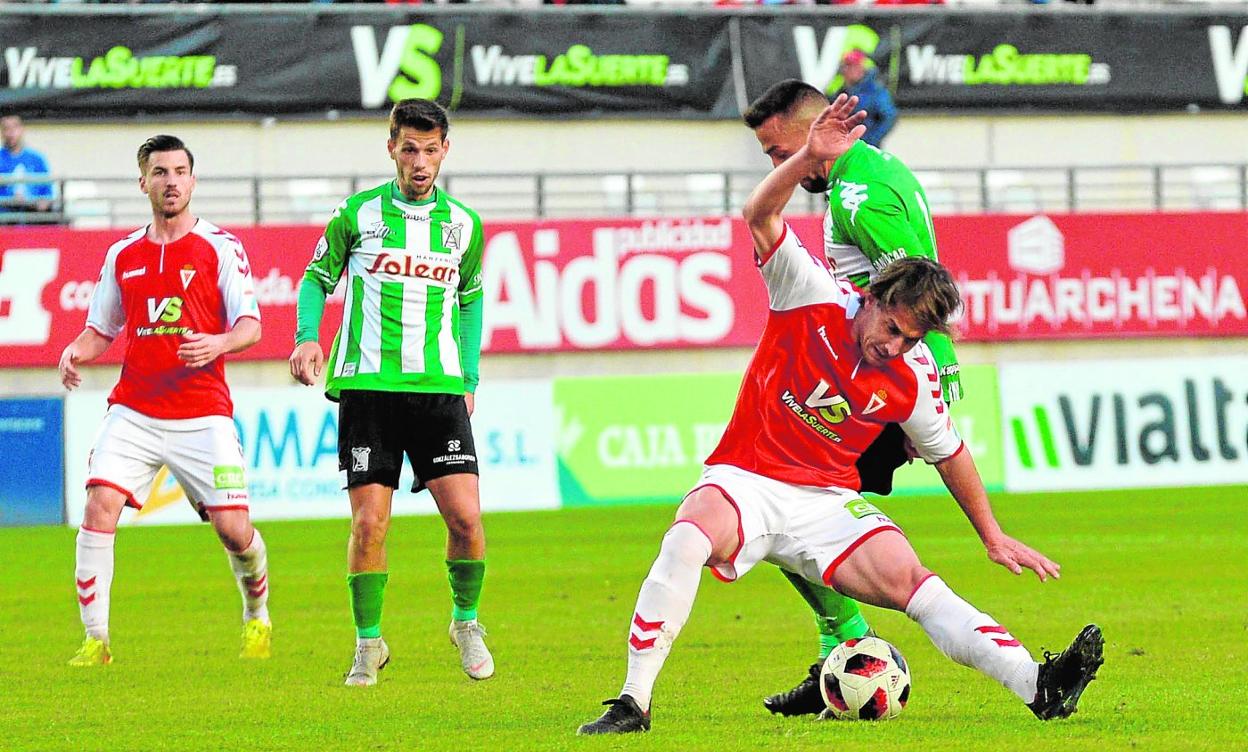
782	97
421	114
921	286
162	143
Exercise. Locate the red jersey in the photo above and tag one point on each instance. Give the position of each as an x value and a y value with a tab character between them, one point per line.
157	293
809	406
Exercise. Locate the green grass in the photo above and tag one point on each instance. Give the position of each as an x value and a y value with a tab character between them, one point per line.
1162	571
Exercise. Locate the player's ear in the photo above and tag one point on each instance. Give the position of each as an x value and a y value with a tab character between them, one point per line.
390	144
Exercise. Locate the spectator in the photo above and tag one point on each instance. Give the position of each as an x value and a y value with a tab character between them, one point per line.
861	82
19	163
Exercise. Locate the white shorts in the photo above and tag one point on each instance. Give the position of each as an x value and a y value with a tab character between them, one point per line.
806	530
203	454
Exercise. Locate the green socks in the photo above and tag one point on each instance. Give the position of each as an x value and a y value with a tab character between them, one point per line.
838	617
466	577
367	592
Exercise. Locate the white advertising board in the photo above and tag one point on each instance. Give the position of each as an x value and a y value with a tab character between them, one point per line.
1125	423
290	445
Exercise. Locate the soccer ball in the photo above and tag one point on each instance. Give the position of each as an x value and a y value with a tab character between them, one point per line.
866	679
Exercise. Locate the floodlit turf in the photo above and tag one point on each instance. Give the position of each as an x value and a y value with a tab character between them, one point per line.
1162	571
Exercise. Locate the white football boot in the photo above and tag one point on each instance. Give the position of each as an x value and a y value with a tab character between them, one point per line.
474	656
371	656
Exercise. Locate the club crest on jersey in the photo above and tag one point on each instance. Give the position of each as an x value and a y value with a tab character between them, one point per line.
452	235
187	273
375	231
876	402
359	459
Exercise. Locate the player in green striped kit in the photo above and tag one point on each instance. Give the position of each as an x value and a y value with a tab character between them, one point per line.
877	213
403	369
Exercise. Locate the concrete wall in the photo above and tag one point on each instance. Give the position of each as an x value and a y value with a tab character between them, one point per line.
343	147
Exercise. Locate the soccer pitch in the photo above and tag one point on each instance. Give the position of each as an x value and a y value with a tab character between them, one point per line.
1162	571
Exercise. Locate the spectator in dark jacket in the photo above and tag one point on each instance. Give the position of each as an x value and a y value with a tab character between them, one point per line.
861	82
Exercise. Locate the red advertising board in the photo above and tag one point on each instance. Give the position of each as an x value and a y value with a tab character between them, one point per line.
675	283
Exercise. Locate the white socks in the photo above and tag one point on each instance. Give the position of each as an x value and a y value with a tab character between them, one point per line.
251	570
93	573
663	606
972	637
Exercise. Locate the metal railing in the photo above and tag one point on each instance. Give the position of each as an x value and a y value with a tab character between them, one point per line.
116	202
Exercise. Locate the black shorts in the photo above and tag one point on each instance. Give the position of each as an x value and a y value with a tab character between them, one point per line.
375	430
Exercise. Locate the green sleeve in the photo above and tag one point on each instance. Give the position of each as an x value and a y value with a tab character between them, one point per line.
471	307
470	265
311	308
470	317
330	257
322	275
946	365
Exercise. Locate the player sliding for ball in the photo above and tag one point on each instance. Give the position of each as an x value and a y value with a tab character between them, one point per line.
835	365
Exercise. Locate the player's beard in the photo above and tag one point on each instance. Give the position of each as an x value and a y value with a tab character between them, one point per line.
178	207
815	184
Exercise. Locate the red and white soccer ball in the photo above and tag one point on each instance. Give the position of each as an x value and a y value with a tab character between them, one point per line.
865	679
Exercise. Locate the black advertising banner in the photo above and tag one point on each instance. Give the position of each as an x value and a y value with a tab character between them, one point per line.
1087	61
703	63
93	64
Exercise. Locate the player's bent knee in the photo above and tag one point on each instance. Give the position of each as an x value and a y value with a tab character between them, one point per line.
711	513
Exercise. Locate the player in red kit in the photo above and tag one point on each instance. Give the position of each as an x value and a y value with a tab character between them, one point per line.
835	364
181	290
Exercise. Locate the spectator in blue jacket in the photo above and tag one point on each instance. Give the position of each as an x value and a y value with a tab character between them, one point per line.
861	82
16	161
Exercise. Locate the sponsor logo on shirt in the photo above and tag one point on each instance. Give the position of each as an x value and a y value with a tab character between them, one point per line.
823	335
452	445
375	231
134	273
808	417
853	195
888	258
831	407
409	266
167	310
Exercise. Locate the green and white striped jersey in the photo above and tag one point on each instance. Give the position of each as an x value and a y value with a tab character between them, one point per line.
410	267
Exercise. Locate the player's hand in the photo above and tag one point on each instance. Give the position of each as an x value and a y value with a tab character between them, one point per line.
198	349
1016	556
70	378
470	400
836	129
951	383
306	363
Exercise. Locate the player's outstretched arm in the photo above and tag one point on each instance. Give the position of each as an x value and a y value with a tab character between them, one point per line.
963	481
199	349
85	348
